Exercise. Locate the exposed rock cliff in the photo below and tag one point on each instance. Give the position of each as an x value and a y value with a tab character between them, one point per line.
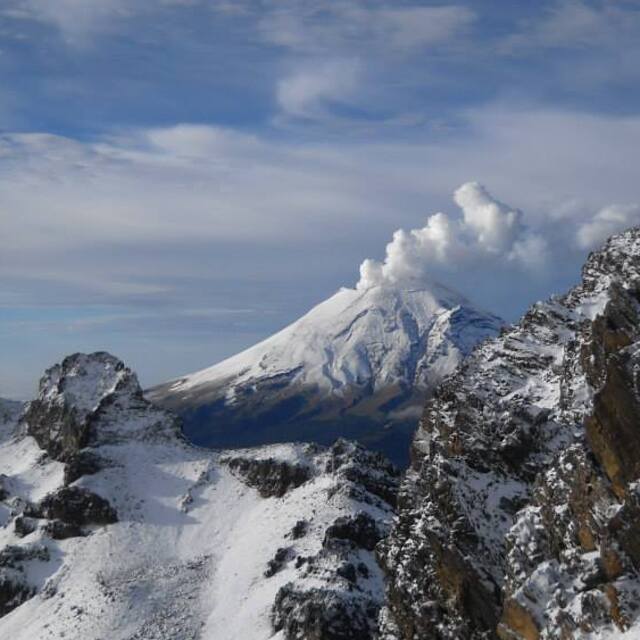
520	515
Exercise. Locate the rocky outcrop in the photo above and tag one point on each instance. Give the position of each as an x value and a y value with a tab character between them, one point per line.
14	585
10	411
360	530
364	468
269	476
335	596
77	506
71	394
320	614
88	400
519	517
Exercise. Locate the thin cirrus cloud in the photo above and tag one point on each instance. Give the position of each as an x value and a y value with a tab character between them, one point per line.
161	192
75	20
574	23
318	28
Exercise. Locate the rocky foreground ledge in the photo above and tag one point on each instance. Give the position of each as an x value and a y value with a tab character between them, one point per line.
112	525
520	516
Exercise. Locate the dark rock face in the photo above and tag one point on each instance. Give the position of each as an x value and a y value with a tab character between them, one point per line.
23	526
322	615
612	429
4	491
83	463
14	587
360	530
272	478
519	517
369	470
13	592
59	530
277	563
77	506
299	530
60	418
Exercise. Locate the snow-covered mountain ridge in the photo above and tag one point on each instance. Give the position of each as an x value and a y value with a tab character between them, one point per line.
113	525
519	518
361	359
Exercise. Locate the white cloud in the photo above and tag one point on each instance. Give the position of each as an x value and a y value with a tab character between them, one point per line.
607	221
179	189
575	23
306	92
76	20
348	51
327	28
494	225
417	27
489	233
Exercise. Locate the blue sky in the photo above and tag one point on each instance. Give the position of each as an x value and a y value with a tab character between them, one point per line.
180	178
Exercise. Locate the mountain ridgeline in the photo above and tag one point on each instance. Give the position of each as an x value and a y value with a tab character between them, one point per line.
518	518
359	365
113	526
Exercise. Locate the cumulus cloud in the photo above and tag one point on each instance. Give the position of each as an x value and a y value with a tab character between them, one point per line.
488	231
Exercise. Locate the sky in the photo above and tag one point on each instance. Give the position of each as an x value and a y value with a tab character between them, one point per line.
181	178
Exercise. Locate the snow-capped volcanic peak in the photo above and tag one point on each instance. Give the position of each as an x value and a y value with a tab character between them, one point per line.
378	337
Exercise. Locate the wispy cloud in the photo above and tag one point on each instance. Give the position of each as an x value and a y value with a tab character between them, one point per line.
154	193
76	20
310	91
348	25
567	24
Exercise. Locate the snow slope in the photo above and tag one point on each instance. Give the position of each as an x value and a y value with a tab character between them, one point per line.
364	355
195	530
